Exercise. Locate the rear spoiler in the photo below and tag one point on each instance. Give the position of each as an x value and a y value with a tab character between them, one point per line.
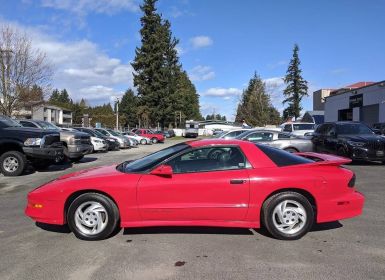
325	159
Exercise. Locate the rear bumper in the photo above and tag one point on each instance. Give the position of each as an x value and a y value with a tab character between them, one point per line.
43	153
343	207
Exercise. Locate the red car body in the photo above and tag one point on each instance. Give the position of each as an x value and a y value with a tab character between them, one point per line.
205	198
149	134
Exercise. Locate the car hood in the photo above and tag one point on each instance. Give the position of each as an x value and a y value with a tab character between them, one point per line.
95	172
30	131
362	138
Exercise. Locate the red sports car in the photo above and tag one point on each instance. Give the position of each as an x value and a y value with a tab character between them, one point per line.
226	183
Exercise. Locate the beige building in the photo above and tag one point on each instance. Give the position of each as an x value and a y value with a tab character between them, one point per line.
319	99
46	112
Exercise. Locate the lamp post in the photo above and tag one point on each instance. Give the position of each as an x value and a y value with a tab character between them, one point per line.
5	76
117	113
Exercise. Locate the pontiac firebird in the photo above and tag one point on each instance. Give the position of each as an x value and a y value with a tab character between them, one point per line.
203	183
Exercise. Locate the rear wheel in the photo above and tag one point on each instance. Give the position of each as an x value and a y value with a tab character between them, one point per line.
287	215
92	216
143	141
12	163
154	140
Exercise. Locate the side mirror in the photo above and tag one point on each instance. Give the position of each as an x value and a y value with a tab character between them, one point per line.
163	171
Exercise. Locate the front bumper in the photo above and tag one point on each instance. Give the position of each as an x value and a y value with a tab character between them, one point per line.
75	151
51	211
100	147
50	153
361	153
343	207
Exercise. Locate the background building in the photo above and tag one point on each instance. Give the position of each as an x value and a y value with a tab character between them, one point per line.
365	102
319	99
45	112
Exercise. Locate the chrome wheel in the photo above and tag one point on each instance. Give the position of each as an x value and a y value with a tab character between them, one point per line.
10	164
289	217
91	218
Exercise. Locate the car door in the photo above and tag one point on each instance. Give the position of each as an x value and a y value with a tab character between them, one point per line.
331	141
319	138
207	184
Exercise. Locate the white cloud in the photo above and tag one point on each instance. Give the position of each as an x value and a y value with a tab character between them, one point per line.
222	92
201	73
84	7
277	64
82	67
201	41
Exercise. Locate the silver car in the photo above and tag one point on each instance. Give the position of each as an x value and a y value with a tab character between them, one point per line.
281	140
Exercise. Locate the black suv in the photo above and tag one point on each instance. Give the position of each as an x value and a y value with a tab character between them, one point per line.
20	145
349	139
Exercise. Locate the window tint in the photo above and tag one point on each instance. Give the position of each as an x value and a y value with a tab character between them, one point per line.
353	128
283	136
27	124
282	158
209	159
103	132
260	136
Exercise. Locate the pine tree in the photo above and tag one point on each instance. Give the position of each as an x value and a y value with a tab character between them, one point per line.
296	86
128	108
255	107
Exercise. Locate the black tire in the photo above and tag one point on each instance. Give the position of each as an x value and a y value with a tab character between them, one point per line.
269	218
291	150
111	213
17	158
154	140
143	141
341	152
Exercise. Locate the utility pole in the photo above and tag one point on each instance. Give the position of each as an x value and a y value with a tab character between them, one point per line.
117	113
5	75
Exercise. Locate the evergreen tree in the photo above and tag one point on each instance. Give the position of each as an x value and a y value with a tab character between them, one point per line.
128	108
296	86
255	106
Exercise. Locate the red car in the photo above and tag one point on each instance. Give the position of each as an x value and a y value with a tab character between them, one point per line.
225	183
155	137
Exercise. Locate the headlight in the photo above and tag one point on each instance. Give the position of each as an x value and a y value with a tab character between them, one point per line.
356	144
98	141
32	142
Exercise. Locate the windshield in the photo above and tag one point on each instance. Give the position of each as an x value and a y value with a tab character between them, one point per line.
114	133
47	125
8	122
303	126
148	162
98	134
353	128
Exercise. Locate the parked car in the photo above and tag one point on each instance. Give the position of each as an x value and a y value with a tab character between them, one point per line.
142	140
281	140
20	145
225	183
133	141
354	140
379	128
76	144
112	144
154	137
166	133
124	143
217	131
100	144
298	128
231	134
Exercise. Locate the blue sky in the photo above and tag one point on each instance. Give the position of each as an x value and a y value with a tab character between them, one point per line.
90	43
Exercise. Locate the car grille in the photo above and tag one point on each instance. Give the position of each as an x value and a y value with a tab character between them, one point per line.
377	145
51	139
85	140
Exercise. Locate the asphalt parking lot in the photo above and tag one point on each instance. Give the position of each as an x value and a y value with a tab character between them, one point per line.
349	249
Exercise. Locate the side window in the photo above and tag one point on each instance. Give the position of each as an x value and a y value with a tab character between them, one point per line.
330	130
283	136
231	134
27	124
209	159
103	132
260	136
288	128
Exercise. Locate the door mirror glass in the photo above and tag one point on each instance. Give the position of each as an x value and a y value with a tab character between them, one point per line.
162	170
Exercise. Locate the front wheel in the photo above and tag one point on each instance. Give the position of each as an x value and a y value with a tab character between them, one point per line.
287	215
92	216
12	163
143	141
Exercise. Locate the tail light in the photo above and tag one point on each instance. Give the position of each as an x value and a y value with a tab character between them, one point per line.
352	181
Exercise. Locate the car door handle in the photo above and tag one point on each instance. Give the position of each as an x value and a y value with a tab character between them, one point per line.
237	181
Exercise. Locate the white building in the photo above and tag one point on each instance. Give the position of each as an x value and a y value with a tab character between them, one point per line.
46	112
365	104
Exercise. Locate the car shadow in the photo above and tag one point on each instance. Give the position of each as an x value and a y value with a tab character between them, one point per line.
187	230
53	228
326	226
86	160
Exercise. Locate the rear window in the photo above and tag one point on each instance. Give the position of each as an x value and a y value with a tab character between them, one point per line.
282	158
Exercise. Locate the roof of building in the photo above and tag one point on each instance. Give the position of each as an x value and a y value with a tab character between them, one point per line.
359	85
315	113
